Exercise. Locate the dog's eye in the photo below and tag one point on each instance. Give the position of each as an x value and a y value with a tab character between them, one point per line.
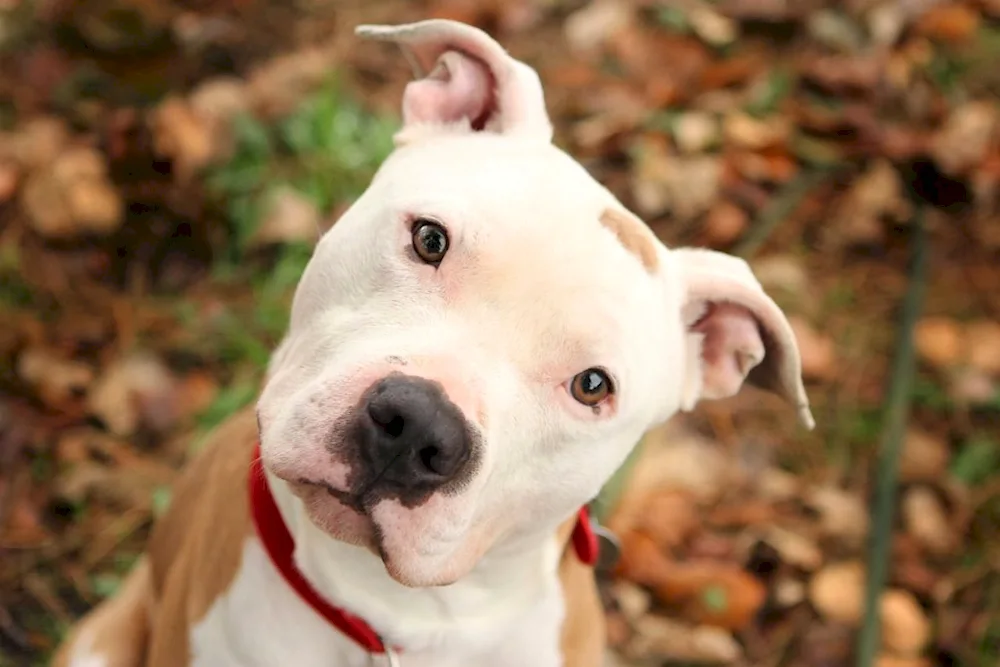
430	241
591	387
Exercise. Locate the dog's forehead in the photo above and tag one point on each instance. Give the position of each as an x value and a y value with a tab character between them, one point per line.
541	240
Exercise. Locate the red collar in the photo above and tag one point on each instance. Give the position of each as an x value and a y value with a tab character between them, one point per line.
279	544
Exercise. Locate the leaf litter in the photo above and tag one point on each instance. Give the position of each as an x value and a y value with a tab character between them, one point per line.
159	196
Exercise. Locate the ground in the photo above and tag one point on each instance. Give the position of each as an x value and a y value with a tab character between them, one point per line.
163	167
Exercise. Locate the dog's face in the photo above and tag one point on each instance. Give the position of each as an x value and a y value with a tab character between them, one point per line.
478	343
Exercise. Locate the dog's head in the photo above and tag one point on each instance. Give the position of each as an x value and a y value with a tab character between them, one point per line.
478	343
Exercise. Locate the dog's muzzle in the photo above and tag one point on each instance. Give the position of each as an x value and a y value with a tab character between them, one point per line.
412	440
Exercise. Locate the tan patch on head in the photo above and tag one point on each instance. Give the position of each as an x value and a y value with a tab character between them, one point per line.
634	235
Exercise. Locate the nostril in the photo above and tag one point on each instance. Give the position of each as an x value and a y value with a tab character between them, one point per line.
388	419
430	457
394	427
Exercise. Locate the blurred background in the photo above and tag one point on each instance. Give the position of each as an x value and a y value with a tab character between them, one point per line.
164	165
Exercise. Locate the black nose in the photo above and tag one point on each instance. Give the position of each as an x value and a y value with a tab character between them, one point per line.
413	438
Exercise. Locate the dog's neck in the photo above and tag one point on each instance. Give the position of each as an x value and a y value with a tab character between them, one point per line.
471	611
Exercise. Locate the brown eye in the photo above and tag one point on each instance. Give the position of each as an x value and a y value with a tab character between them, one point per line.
591	387
430	241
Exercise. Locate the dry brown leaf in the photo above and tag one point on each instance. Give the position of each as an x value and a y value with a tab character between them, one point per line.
789	592
794	548
982	343
137	390
589	28
966	138
57	380
686	186
906	630
24	528
927	520
633	601
716	593
641	560
951	22
939	341
725	224
665	639
39	141
10	178
886	660
843	515
969	386
819	357
182	136
744	131
73	196
925	456
777	485
837	592
291	218
669	518
695	131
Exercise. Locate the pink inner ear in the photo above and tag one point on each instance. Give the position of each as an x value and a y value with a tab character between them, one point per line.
459	87
731	347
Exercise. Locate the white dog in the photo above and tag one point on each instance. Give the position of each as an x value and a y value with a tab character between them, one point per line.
474	348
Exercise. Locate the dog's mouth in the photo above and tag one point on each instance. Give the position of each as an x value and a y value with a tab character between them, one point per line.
352	500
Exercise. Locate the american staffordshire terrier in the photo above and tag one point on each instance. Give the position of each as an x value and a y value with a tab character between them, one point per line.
473	349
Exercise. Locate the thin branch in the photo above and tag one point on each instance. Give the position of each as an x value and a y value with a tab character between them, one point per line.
897	409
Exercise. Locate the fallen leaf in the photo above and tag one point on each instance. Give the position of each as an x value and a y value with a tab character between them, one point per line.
927	520
665	639
183	136
819	357
837	592
57	380
291	218
39	141
724	224
633	601
695	131
10	177
938	341
716	593
876	195
953	23
73	196
896	661
589	28
137	390
969	386
789	592
686	186
924	458
742	130
669	518
24	528
843	515
906	630
794	548
641	560
982	344
966	138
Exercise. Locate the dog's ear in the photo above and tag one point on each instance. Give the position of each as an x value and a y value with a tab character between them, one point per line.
735	333
465	79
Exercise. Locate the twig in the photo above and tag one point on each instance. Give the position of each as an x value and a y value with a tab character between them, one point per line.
778	209
896	414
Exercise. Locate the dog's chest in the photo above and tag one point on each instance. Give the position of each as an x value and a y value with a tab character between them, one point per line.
260	622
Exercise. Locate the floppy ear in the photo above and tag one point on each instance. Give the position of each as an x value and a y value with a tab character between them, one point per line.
465	79
736	333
